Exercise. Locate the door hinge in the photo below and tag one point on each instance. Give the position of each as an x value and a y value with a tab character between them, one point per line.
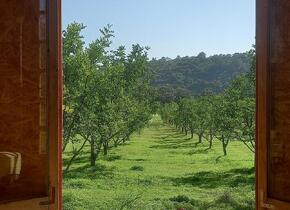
51	198
264	204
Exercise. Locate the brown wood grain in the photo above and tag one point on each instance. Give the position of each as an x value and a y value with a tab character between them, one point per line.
262	35
279	126
55	102
30	96
273	105
32	204
19	99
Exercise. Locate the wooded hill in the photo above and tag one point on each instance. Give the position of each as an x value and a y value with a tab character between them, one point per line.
194	75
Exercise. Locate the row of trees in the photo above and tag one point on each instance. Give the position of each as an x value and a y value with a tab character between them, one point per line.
225	117
108	96
106	92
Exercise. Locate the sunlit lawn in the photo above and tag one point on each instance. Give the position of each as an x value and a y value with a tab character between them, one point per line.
163	169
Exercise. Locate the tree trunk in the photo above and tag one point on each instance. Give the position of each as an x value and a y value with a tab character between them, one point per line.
192	132
185	131
105	147
93	153
224	146
224	150
116	143
200	137
75	155
210	140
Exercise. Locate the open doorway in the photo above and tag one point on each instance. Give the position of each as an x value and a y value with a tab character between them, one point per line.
170	127
31	124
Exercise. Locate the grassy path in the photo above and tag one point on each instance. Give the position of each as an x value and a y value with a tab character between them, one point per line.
163	169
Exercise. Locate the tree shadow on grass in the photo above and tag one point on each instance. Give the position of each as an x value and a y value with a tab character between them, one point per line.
175	142
171	146
112	157
227	199
82	159
91	172
198	151
172	135
210	180
137	159
224	200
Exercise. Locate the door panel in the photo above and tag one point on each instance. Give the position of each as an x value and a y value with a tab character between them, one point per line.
30	104
273	104
279	61
23	110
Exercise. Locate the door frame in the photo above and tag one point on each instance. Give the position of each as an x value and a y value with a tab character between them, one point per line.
262	40
55	95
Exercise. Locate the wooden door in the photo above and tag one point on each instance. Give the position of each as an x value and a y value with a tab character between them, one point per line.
30	104
273	104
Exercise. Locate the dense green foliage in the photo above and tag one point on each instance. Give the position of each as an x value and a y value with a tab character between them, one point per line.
161	169
106	93
227	116
112	96
191	76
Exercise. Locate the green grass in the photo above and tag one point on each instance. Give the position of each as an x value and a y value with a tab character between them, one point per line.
163	169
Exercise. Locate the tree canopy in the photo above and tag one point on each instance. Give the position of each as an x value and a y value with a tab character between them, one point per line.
191	76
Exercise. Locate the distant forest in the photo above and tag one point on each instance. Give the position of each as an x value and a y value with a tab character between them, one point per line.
192	76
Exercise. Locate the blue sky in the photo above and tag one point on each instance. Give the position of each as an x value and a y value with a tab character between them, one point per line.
169	27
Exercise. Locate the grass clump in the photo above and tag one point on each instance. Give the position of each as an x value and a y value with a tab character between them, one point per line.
112	158
180	199
137	168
